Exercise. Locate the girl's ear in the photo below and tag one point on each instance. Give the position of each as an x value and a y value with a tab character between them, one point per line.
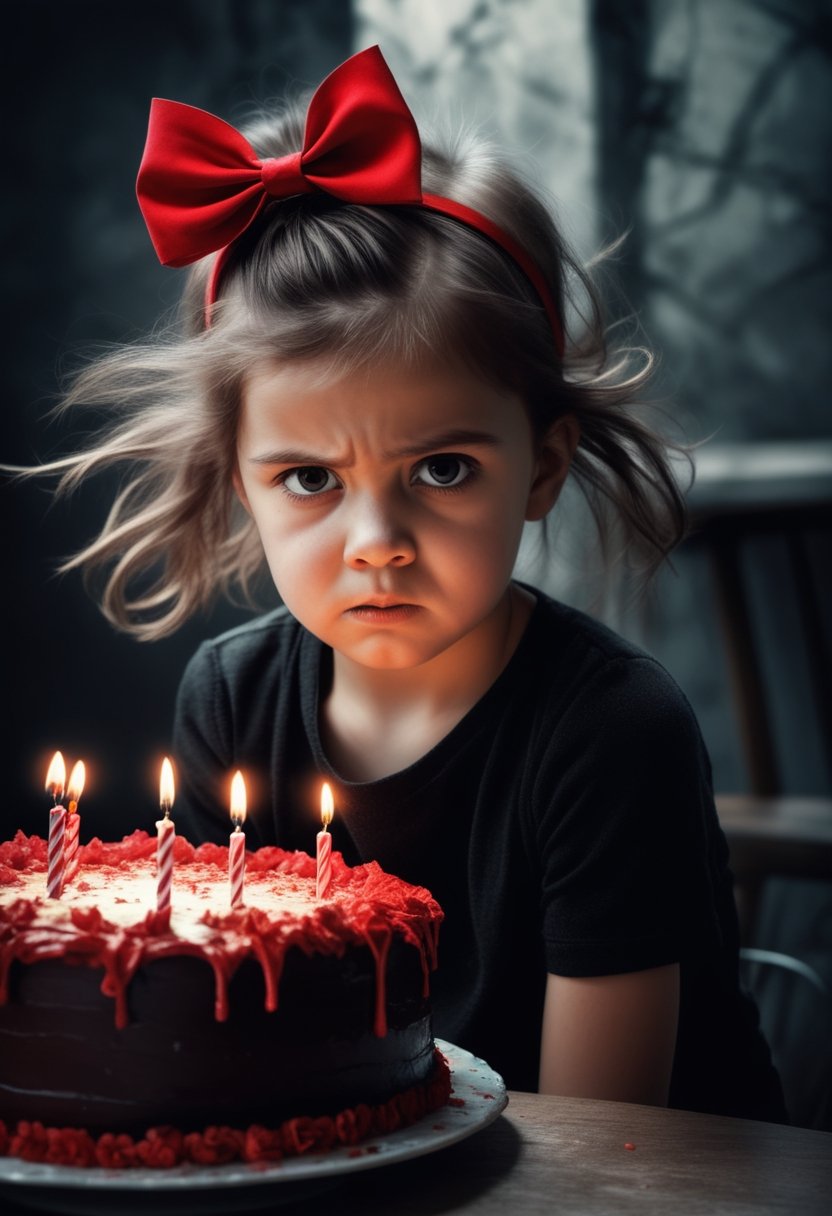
553	460
237	482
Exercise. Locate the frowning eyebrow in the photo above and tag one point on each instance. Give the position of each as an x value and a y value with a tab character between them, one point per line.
422	447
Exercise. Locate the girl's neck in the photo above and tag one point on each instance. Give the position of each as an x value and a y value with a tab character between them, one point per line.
377	722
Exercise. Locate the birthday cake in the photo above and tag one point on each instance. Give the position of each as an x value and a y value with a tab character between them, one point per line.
132	1037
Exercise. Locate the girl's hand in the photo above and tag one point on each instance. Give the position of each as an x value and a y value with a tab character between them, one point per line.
611	1036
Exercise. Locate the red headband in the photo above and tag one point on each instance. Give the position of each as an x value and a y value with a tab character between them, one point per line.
201	184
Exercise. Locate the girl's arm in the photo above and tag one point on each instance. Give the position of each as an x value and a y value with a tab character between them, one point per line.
610	1036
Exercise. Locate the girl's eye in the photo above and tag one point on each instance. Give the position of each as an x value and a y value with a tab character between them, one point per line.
307	481
443	472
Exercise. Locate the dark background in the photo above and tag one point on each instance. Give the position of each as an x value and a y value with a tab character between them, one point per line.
79	270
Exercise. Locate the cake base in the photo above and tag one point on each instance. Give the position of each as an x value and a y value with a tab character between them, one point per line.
166	1147
66	1063
270	1028
479	1097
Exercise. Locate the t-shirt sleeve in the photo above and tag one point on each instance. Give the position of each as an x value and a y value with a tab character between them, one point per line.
202	751
625	824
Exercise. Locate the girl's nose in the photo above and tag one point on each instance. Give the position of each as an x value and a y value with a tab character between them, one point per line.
376	537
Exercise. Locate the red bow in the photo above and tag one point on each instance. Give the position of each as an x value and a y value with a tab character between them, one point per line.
201	184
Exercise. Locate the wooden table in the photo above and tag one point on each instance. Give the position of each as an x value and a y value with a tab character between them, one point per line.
567	1155
564	1156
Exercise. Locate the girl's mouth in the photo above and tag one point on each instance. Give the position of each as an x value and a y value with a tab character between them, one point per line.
376	614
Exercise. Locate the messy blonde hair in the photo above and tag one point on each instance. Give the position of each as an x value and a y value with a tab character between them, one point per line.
316	278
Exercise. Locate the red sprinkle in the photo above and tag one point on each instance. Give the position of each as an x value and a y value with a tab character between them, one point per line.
629	1146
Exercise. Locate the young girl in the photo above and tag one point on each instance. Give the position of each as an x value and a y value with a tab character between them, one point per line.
372	387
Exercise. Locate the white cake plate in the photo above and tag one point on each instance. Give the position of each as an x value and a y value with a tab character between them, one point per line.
77	1191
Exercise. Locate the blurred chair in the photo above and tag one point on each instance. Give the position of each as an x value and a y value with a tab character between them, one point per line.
795	1006
768	835
762	512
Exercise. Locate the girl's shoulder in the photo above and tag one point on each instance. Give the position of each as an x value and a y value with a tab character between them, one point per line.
606	715
585	669
269	642
565	637
263	632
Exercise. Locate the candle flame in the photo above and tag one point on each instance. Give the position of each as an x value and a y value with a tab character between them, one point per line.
166	787
77	778
327	805
238	799
56	776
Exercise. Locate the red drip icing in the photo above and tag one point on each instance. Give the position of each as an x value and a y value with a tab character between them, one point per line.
366	907
427	953
121	961
379	943
221	991
166	1147
272	967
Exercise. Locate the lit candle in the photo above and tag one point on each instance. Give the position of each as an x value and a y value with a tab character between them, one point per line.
237	841
55	782
75	789
324	841
164	843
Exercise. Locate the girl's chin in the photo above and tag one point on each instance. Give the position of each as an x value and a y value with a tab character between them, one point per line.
384	653
381	658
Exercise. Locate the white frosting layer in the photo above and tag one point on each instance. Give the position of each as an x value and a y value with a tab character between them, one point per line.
125	896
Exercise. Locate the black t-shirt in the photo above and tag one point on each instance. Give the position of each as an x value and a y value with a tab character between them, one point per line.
566	824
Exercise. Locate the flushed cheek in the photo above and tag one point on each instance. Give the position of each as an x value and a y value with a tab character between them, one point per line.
300	560
491	542
308	564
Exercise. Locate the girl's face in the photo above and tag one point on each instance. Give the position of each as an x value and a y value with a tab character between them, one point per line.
390	502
